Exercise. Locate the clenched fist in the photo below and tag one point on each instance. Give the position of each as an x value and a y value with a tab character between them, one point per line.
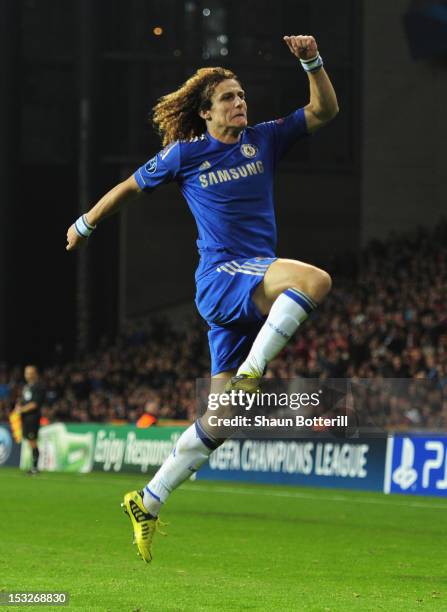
74	241
303	46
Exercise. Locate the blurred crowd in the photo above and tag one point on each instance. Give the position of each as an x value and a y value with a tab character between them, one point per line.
387	321
151	368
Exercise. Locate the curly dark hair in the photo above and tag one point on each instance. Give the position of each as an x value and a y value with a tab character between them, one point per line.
176	115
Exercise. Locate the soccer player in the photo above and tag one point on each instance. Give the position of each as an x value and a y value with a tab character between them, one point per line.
252	301
29	408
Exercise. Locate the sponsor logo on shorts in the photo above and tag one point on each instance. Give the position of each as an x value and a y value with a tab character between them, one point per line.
249	150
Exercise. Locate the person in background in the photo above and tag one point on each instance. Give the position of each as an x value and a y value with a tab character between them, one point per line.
29	407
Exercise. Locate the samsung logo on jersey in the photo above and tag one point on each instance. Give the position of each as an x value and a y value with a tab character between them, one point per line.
232	174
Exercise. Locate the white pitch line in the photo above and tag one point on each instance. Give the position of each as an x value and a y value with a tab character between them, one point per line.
289	494
299	495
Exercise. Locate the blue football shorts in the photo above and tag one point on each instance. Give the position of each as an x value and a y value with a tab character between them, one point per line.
224	300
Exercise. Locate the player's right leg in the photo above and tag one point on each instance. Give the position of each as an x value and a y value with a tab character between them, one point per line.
289	292
192	449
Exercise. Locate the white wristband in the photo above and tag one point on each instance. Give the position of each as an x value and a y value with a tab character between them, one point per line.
83	227
313	64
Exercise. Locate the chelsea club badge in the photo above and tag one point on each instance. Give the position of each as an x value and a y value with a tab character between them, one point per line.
249	150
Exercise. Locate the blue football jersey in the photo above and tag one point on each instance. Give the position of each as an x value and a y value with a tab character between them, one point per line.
228	187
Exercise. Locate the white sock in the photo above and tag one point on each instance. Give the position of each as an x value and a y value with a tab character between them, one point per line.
289	309
191	451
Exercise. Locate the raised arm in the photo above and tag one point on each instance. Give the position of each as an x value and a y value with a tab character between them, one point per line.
323	105
110	203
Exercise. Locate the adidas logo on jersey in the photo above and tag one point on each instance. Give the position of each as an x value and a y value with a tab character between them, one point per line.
205	165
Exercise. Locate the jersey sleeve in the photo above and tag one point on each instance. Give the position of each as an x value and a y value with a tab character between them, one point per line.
284	132
162	168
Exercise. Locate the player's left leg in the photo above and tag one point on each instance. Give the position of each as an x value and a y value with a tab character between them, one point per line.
288	294
192	449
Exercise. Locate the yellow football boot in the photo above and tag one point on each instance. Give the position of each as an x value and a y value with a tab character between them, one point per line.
243	382
144	524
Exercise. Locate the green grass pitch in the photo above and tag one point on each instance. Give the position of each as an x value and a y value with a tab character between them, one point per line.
229	547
